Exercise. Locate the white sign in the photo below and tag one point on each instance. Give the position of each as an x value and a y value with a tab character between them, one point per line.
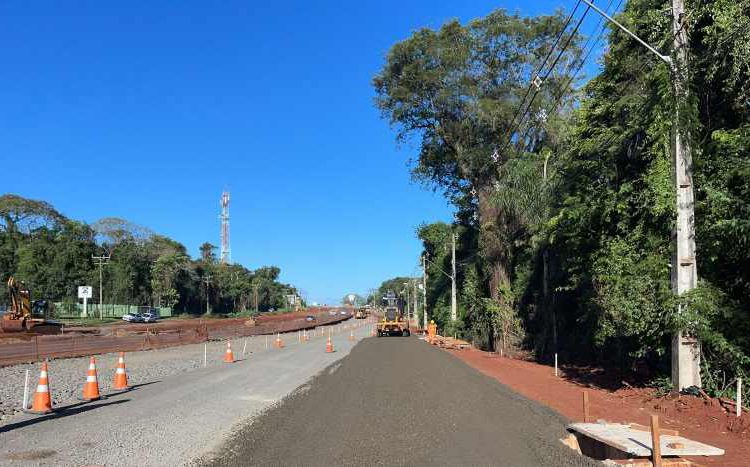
85	291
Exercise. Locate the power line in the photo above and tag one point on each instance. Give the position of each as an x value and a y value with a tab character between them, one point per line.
549	72
572	76
544	62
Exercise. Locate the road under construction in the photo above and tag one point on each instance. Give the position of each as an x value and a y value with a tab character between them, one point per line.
333	395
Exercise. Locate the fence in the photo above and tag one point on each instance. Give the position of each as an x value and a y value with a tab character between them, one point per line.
20	348
75	310
39	347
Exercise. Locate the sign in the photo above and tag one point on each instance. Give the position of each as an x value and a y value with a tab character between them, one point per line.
85	291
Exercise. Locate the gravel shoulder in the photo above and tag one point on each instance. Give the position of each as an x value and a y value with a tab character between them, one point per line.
177	412
399	401
67	375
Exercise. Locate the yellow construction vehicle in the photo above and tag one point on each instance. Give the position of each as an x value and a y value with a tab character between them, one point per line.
362	312
393	322
25	315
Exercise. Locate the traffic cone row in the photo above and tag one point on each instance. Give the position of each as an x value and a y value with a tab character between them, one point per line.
41	402
42	399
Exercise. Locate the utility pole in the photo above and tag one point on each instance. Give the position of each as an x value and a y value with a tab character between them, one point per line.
207	280
424	290
416	297
255	296
454	306
685	349
101	261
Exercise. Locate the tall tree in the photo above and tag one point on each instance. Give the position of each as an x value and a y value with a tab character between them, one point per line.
459	91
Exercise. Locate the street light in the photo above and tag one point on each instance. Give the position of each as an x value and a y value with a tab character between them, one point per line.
685	351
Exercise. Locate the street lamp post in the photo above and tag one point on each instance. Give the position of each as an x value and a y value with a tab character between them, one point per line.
685	350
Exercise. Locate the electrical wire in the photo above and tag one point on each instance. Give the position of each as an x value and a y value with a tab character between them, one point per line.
549	72
542	65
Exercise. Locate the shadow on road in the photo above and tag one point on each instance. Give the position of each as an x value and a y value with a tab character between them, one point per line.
65	411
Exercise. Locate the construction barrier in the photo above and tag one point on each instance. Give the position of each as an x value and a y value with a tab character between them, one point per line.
21	348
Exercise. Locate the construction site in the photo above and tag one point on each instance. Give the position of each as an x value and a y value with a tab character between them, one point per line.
423	233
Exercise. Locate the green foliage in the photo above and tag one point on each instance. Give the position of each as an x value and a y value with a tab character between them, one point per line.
52	254
579	261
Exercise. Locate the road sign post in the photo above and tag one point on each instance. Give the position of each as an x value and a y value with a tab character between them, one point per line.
85	292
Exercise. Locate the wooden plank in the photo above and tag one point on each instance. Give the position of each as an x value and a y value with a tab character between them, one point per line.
638	443
655	444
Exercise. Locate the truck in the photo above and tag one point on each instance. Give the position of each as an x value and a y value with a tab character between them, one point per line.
393	323
25	315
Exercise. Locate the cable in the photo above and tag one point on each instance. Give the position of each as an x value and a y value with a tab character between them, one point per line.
544	62
562	89
549	72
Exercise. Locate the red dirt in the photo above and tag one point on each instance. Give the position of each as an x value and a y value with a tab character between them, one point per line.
133	337
693	417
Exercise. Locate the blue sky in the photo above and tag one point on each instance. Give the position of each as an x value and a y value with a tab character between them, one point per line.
147	110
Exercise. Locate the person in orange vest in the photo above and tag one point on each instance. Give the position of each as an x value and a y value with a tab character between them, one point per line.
431	330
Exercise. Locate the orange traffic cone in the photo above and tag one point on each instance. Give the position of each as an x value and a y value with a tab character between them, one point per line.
329	345
351	335
228	355
91	387
121	377
42	401
279	343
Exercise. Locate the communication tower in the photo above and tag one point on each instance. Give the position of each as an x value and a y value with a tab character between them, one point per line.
226	255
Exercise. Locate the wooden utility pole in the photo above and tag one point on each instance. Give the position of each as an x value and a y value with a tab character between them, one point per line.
101	261
685	349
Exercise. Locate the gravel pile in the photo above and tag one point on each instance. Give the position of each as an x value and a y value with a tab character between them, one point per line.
67	376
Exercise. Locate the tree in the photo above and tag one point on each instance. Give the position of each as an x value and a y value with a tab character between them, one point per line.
208	253
457	89
164	272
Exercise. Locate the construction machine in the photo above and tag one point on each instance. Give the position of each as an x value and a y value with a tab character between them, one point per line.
393	323
362	312
26	315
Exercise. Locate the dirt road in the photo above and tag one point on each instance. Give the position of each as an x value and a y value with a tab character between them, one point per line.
399	401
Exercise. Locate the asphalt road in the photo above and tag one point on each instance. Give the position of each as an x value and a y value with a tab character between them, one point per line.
171	420
399	401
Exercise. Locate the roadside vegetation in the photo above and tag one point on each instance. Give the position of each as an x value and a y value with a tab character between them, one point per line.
564	217
53	255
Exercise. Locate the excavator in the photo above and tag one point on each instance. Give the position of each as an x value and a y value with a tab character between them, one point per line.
25	315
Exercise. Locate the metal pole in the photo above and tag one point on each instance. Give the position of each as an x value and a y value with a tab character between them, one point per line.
424	291
454	306
641	41
101	261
